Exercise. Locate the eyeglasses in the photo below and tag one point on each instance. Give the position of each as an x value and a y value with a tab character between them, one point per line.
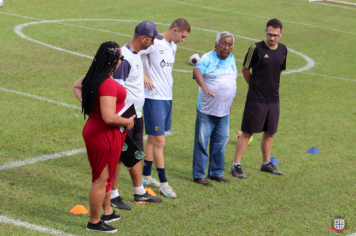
121	58
273	35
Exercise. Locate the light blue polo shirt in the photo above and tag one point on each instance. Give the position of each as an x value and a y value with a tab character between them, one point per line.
220	77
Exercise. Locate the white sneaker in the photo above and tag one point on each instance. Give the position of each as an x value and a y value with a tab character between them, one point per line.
149	181
167	191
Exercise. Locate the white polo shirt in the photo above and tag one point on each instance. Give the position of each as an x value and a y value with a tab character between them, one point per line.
158	61
130	76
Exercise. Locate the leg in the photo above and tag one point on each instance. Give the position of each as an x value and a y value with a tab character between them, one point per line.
203	130
266	146
116	176
218	141
149	148
158	145
97	195
241	146
136	176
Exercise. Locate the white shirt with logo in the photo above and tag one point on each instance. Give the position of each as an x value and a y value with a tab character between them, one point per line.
158	61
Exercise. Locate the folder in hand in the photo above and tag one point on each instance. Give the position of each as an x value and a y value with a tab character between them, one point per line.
126	112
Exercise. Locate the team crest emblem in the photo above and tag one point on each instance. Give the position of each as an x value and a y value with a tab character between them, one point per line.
339	223
139	155
163	63
217	67
137	66
161	51
124	148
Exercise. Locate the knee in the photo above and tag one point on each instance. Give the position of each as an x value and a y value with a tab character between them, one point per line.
246	135
159	142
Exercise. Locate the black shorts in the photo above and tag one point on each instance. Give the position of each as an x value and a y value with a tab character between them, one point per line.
136	133
260	117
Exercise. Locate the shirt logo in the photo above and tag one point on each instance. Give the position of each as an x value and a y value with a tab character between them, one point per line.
266	56
217	67
161	51
163	63
137	66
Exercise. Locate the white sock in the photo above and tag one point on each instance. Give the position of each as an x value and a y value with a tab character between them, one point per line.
140	190
236	164
266	163
114	193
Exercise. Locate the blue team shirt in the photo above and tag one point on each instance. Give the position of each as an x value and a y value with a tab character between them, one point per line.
220	77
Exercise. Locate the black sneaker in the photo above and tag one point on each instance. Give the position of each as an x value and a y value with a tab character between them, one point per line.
110	218
146	198
101	227
119	203
237	172
271	169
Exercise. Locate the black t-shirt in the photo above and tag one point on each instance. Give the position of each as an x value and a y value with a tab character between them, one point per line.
266	64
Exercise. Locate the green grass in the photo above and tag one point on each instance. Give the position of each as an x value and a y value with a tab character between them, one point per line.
316	111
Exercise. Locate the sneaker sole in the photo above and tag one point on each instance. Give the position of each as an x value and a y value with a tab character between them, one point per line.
144	202
272	173
169	196
113	205
113	220
110	232
241	177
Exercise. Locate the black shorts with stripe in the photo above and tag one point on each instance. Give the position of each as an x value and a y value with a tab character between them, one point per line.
260	117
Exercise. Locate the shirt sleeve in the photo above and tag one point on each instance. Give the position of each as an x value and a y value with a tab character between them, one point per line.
203	64
251	58
108	88
284	65
123	71
148	50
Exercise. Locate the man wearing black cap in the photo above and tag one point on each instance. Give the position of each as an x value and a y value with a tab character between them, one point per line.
130	76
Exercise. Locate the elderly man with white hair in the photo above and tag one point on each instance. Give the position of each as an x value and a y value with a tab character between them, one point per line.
216	75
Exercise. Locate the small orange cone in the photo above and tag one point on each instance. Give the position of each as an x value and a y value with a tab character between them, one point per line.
79	209
150	191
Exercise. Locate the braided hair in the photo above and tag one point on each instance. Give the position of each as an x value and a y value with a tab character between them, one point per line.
103	66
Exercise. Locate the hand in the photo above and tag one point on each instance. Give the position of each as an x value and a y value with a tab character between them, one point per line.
148	83
207	91
131	122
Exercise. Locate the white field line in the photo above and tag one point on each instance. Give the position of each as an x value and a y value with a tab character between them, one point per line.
352	234
265	17
33	160
350	8
18	31
7	220
333	77
40	98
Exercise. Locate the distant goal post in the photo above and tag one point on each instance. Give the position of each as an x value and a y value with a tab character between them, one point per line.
336	1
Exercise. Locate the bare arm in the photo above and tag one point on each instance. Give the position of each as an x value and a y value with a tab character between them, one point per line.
247	74
148	83
200	81
77	88
108	113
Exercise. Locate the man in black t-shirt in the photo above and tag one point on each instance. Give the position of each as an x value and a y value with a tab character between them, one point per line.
267	59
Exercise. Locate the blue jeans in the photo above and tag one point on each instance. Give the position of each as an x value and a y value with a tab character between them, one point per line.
217	130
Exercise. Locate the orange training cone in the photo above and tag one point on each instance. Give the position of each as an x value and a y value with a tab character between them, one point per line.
79	209
150	191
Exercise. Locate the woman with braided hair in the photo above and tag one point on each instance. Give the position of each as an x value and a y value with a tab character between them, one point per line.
102	98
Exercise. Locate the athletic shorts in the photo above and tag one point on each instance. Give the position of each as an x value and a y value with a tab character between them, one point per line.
136	133
158	116
260	117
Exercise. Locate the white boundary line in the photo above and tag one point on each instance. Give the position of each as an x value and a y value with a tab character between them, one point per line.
18	31
350	8
265	17
7	220
40	98
333	77
33	160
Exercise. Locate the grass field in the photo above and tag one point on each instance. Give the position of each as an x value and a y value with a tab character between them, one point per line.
39	62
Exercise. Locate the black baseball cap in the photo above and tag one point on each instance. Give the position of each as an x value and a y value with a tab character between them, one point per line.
148	28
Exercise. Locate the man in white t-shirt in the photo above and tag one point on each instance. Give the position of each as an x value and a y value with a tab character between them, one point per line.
130	76
158	61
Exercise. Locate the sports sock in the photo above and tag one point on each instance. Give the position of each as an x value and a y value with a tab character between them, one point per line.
147	166
114	193
236	164
266	163
162	175
140	190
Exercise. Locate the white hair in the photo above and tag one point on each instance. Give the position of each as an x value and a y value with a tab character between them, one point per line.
223	35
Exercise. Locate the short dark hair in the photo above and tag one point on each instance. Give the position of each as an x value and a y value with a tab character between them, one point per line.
181	24
275	23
